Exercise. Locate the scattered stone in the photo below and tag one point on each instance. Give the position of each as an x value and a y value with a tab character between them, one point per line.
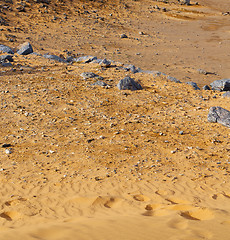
219	115
9	58
124	35
105	63
6	49
54	57
85	59
25	49
173	79
132	68
206	87
202	71
100	83
221	85
194	85
227	94
87	75
128	83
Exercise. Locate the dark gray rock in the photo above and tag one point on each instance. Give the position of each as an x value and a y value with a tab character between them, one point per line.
128	83
206	87
6	49
25	49
54	57
221	85
194	85
85	59
132	68
227	94
172	79
4	58
100	83
219	115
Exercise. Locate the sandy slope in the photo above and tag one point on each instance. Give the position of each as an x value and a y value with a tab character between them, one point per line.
90	162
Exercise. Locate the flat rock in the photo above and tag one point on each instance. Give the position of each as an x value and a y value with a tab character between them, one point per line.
87	75
129	83
194	85
6	49
100	83
221	85
25	49
54	57
219	115
85	59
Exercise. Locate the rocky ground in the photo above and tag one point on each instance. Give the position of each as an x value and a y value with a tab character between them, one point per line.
83	156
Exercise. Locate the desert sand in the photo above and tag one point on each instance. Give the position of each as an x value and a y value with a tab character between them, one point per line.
80	161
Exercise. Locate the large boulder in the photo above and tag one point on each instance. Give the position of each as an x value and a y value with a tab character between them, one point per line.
6	49
128	83
219	115
25	49
221	85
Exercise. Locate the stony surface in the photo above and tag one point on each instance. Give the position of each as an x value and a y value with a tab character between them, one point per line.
87	162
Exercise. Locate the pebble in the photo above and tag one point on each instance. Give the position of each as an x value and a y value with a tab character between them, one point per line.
8	151
124	35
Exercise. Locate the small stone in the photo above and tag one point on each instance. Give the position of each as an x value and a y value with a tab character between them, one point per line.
202	71
6	49
9	58
181	132
87	75
85	59
105	63
124	35
206	87
194	85
54	57
25	49
100	83
128	83
8	151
